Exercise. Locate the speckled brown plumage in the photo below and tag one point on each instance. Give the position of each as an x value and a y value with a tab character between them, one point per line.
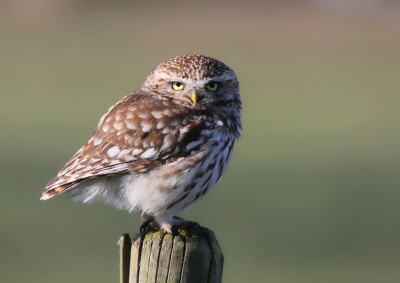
158	150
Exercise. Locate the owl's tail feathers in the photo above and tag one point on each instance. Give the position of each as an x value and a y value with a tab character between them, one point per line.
51	191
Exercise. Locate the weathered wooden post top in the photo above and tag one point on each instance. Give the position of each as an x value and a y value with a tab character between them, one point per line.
192	255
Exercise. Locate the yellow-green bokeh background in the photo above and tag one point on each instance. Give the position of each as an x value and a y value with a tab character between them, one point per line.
312	192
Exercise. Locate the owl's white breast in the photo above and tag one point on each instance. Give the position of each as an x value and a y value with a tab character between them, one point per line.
174	187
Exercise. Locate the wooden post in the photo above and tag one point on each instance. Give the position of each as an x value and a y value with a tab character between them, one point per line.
191	256
125	257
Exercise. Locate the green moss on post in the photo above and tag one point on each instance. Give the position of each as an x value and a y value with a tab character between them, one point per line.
192	256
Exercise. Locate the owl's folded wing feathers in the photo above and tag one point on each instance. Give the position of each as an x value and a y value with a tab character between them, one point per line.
138	134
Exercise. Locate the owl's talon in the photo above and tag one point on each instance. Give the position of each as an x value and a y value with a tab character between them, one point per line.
174	231
144	226
182	222
197	225
148	226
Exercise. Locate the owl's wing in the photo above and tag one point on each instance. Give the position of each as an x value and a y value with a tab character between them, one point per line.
138	134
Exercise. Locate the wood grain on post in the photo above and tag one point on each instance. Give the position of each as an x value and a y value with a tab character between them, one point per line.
191	256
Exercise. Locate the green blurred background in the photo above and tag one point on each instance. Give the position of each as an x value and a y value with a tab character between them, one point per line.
312	191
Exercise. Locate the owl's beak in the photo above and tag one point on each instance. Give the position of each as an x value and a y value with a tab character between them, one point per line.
194	97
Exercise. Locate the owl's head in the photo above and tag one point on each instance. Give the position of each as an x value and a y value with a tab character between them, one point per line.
194	80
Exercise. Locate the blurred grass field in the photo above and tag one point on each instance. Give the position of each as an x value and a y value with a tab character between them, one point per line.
312	191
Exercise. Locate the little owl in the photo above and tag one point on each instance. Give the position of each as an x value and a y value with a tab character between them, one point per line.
160	149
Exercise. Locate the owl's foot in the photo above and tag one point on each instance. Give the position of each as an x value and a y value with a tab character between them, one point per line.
148	224
182	222
174	223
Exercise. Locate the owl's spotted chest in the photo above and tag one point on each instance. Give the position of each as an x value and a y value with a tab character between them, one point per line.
204	170
209	172
176	186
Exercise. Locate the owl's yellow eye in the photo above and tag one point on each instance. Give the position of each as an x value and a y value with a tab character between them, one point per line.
213	86
178	86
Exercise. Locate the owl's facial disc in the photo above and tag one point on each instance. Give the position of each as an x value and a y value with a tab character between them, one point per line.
190	94
189	90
